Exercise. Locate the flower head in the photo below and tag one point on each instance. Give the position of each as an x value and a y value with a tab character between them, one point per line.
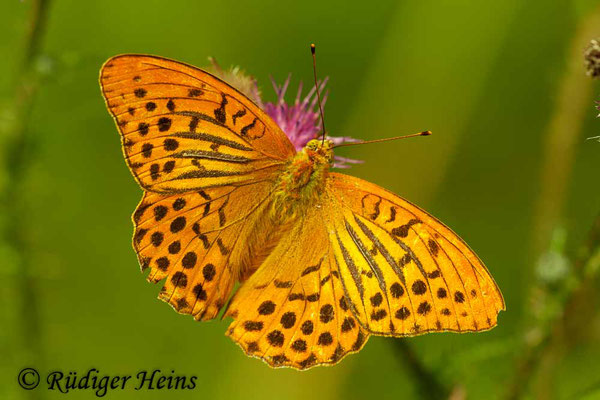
300	120
592	58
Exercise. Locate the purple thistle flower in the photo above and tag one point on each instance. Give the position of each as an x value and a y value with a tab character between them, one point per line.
301	121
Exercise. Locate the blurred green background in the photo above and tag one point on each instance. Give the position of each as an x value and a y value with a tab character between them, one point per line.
501	84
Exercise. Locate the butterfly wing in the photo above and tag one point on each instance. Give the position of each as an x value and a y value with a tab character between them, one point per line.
183	129
207	157
293	310
194	240
404	271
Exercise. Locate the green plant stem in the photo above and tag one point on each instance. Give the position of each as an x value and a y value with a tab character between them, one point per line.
429	386
563	133
574	98
17	157
537	351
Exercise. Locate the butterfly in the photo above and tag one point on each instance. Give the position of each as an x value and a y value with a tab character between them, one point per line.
323	259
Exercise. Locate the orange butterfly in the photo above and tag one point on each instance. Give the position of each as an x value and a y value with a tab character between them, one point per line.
324	259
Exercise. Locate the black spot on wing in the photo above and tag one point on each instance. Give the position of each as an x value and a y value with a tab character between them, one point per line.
164	124
312	269
402	230
220	114
238	114
392	215
246	129
195	92
171	105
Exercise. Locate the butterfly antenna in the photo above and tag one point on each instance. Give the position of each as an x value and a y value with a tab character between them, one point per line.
424	133
314	58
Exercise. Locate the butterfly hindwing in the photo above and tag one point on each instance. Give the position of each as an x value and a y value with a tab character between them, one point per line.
183	129
404	271
191	240
293	311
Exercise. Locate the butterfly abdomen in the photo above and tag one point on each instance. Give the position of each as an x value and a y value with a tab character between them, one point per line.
261	240
298	188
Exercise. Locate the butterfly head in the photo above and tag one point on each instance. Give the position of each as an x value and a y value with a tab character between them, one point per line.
320	151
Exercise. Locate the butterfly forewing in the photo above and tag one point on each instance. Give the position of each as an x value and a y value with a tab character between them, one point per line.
404	271
183	129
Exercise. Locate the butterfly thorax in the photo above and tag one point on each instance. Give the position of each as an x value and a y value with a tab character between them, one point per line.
303	180
297	189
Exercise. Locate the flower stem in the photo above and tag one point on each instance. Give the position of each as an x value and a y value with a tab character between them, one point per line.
429	386
17	158
574	96
541	348
563	133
